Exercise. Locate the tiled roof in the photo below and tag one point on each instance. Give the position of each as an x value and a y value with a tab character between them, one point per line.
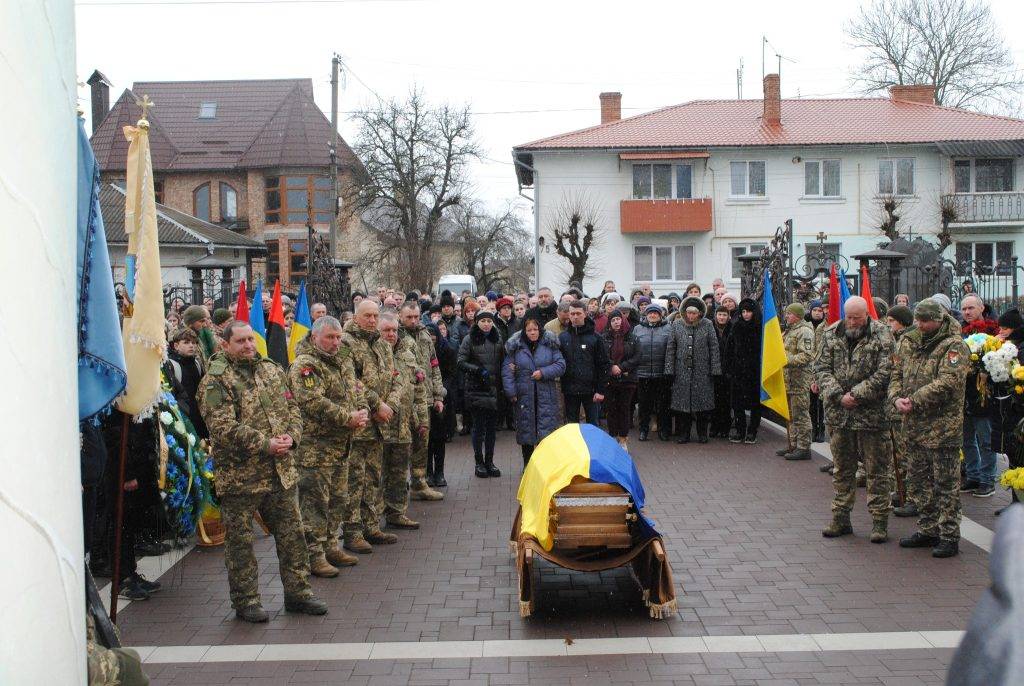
724	123
260	123
173	227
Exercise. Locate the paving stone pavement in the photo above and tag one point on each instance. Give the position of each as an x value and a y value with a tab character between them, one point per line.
742	530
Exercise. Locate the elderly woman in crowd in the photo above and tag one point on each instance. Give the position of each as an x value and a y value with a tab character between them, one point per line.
533	363
654	386
730	304
692	357
624	354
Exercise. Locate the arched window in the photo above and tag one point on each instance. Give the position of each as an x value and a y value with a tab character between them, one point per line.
201	202
228	202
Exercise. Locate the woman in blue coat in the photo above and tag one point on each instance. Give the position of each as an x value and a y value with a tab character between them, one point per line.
533	361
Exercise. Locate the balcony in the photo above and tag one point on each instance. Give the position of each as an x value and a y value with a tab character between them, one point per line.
987	207
670	216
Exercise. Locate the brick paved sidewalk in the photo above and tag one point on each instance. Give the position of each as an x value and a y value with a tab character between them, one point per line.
742	529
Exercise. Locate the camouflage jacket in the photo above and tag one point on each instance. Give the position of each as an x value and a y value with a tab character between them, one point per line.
327	393
304	346
426	358
932	372
799	343
375	369
415	403
245	403
862	370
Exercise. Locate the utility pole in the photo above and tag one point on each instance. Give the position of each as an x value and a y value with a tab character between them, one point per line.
333	236
739	81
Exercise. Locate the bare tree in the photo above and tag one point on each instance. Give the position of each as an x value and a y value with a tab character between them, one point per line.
953	44
576	231
949	212
890	209
494	246
416	158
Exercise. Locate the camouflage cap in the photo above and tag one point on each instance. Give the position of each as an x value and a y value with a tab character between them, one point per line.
795	309
928	311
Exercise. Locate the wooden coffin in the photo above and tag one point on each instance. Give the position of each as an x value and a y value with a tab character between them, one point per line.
585	514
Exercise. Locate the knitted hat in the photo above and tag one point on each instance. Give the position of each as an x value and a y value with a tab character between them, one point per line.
484	314
193	314
492	296
942	299
902	314
655	307
730	296
615	314
814	304
504	302
929	310
1010	319
643	301
447	299
610	295
881	307
796	309
221	315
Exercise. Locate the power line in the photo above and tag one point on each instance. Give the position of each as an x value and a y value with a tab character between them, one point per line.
148	3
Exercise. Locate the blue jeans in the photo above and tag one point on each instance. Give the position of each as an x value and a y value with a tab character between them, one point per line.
979	458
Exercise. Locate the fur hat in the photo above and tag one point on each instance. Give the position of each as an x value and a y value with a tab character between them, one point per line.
446	299
504	302
1011	319
695	303
901	313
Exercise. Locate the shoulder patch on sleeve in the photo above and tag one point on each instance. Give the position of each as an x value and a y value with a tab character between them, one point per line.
344	351
214	394
218	367
953	357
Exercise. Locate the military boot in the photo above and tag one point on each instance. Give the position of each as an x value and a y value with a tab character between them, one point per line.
402	522
378	537
880	530
319	566
919	540
946	548
782	452
339	558
307	606
799	454
907	509
439	480
254	614
840	526
480	470
423	491
357	544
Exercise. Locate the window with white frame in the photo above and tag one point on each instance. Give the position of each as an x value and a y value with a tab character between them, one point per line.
896	176
739	251
662	181
662	263
970	256
821	178
747	179
985	175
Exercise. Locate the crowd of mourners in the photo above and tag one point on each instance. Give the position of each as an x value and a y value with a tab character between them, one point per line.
328	452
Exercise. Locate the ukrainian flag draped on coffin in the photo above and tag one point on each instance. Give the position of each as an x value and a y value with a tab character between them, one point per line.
773	356
574	450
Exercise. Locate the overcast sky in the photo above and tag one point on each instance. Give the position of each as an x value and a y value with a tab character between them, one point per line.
528	69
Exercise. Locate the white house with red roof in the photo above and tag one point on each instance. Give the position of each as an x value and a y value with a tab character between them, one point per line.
680	193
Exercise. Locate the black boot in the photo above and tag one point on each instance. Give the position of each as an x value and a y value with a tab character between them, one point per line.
489	466
685	422
702	428
644	432
480	470
439	480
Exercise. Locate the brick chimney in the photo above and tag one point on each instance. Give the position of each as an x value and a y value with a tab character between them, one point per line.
611	107
772	101
923	94
100	87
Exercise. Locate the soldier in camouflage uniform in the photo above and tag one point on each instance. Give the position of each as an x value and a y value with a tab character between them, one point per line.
324	383
901	320
799	343
852	370
414	331
411	417
254	424
375	369
928	382
110	666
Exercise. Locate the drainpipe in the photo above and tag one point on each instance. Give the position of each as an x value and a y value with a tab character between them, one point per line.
536	218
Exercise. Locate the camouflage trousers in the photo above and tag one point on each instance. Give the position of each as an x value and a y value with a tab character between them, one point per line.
935	484
874	448
280	511
395	477
363	509
323	495
900	461
800	420
419	459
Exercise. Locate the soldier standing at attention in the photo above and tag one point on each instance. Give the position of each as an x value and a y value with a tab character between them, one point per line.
332	405
375	370
928	381
254	425
852	370
799	344
422	347
411	418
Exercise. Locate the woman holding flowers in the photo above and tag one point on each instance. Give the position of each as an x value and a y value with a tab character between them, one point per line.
1008	412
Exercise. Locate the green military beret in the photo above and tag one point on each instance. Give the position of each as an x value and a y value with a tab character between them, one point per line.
928	310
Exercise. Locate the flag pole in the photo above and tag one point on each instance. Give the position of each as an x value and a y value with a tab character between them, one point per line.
115	581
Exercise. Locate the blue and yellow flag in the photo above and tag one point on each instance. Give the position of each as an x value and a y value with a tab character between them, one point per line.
574	450
259	326
773	356
302	324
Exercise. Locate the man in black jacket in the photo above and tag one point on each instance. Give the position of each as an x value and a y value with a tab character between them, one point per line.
586	366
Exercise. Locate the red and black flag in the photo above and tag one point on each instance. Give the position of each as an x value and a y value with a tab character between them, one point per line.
277	341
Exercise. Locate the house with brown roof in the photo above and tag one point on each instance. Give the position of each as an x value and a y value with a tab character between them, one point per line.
682	192
248	156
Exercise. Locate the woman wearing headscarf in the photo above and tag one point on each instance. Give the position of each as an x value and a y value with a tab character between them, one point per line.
624	355
480	361
533	363
721	416
692	357
743	365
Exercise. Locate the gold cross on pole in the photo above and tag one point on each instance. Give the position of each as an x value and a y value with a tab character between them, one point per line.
146	105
